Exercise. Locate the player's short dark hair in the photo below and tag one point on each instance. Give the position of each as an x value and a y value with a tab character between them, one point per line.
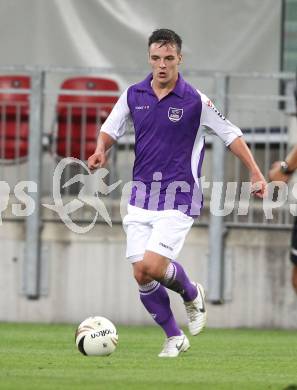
165	36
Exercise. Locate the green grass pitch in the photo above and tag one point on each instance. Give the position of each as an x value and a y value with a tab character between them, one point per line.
45	357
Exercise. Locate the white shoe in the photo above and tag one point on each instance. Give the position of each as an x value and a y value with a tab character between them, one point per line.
174	345
196	311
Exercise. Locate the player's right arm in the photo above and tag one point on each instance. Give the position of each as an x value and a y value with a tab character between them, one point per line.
98	158
112	129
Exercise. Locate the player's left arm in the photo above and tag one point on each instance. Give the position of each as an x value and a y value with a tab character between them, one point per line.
240	149
231	135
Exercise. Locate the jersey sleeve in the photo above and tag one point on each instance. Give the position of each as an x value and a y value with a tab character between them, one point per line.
118	120
214	120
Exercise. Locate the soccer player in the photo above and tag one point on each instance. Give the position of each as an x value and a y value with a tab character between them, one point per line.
168	115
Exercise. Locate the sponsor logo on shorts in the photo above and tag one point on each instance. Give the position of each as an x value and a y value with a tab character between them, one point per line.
166	246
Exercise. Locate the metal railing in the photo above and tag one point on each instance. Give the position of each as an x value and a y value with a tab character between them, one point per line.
262	117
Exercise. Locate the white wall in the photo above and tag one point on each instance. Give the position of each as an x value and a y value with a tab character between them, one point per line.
88	275
241	35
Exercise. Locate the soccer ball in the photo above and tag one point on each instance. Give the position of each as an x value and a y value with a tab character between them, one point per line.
96	336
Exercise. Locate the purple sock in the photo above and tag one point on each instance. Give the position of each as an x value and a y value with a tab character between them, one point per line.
156	301
177	280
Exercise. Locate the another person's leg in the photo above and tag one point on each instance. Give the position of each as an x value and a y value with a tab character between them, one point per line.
294	277
293	255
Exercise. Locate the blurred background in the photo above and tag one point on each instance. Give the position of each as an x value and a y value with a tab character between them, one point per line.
63	65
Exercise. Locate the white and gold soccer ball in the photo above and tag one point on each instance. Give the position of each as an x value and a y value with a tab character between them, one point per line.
96	336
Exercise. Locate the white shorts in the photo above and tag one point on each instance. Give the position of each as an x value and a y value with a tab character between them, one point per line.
163	232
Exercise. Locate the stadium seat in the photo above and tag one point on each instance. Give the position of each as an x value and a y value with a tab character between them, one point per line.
79	116
14	119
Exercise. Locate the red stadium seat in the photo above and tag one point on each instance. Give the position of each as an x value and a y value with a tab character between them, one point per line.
79	115
14	119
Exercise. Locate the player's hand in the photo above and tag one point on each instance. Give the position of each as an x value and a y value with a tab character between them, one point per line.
97	160
259	185
275	173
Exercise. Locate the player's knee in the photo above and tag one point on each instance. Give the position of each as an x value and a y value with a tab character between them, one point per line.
140	273
155	265
154	270
148	269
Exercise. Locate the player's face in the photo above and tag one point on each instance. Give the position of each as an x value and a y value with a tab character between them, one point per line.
164	61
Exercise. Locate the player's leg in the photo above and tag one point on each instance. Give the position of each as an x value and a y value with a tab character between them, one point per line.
173	276
167	239
294	255
156	301
152	294
170	274
176	279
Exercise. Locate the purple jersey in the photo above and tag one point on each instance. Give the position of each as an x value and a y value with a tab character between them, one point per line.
169	143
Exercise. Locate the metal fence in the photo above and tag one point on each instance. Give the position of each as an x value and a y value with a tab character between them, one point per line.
51	122
70	125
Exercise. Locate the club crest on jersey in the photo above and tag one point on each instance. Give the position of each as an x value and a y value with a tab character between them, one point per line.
175	114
